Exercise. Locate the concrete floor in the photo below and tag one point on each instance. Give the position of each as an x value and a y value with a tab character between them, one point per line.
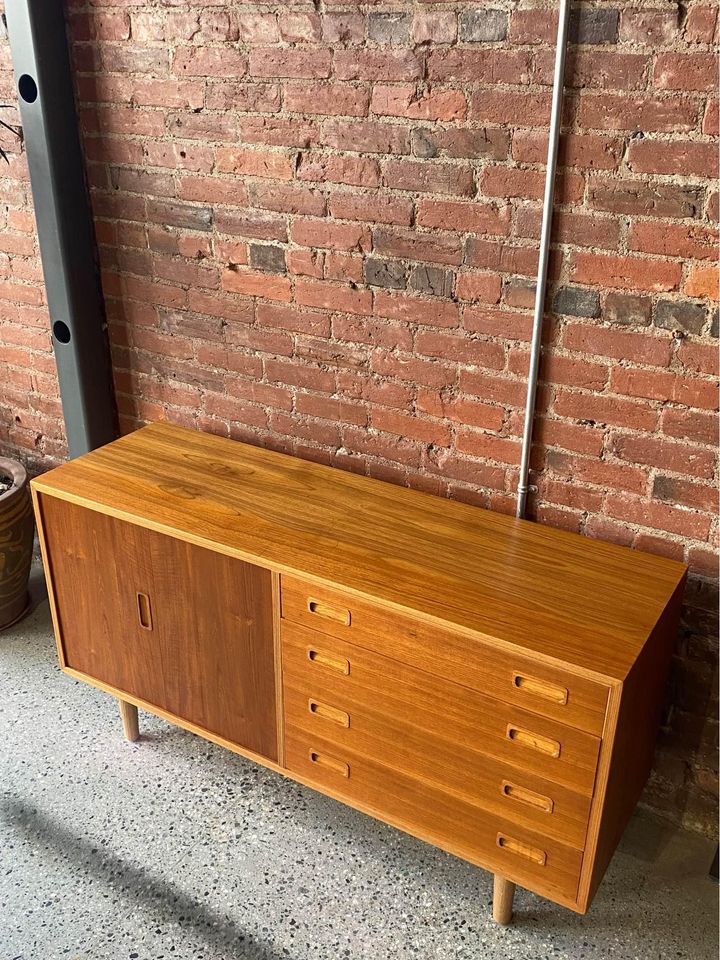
174	848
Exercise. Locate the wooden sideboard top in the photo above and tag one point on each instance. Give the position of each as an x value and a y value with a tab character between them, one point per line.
556	594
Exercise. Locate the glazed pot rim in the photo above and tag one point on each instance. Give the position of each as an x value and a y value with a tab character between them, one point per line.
16	472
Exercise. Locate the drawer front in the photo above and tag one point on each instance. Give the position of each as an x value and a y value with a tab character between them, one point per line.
502	674
421	707
418	807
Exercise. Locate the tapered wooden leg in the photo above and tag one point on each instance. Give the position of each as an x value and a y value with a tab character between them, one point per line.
503	893
129	716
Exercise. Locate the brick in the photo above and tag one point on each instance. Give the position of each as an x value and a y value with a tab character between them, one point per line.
575	150
313	322
409	309
464	410
644	198
209	61
432	27
609	342
675	491
483	25
371	208
534	26
209	189
356	171
461	348
487	66
300	27
703	282
411	427
611	476
665	386
267	257
577	229
252	284
510	182
471	217
329	100
598	69
334	236
428	178
593	25
652	28
287	198
627	309
577	302
255	163
385	273
347	28
692	242
519	292
679	315
365	137
696	426
412	245
431	142
277	131
657	516
432	280
333	297
389	28
258	28
699	357
394	101
700	24
315	64
251	224
637	114
487	446
472	285
665	157
612	411
685	71
377	65
634	273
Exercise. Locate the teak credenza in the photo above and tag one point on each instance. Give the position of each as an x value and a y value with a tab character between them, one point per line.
487	684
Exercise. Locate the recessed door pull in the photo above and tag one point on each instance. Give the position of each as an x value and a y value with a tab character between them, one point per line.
329	611
144	611
330	763
341	664
541	688
551	748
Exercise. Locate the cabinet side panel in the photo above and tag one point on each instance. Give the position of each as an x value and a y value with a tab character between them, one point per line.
635	736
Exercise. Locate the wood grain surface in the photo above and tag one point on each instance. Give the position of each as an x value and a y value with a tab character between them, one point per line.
555	594
183	628
435	747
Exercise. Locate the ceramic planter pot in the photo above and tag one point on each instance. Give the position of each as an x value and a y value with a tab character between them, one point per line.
17	527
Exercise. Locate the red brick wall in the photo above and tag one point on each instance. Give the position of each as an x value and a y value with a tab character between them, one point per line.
318	224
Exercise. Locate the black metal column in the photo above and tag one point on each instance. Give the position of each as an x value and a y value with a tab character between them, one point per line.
38	41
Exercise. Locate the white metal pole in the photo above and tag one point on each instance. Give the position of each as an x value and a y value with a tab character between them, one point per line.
544	253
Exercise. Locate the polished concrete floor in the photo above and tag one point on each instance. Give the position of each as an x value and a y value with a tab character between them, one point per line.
173	849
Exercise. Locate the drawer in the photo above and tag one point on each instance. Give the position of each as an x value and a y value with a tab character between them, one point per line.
498	672
418	807
415	707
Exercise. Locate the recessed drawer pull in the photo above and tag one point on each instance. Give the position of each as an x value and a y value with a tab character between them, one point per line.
523	795
534	741
541	688
330	763
522	849
330	612
329	713
328	660
144	611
